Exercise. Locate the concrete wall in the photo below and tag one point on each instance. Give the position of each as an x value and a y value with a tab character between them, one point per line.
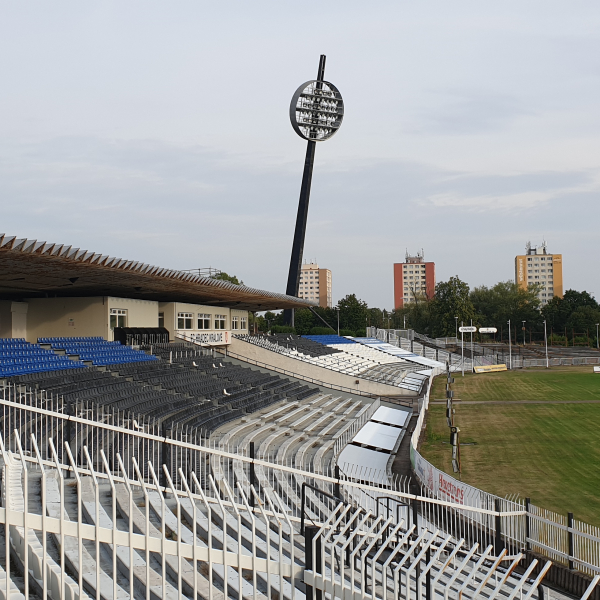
67	317
306	370
5	319
19	319
13	319
84	317
140	313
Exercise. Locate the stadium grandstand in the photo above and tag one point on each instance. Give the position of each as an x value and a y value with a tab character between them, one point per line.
154	448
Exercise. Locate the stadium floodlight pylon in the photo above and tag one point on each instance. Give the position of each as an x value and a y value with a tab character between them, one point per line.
316	113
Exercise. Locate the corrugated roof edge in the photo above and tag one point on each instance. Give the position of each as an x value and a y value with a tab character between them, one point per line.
26	246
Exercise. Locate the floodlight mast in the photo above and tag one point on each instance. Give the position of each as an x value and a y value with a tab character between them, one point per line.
316	112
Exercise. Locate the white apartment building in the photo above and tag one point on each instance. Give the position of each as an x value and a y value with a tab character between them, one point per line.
315	285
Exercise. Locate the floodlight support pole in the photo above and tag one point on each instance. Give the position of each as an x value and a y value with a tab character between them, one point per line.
293	281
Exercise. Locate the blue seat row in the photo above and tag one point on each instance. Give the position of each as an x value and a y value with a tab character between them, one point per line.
328	340
50	340
18	357
98	350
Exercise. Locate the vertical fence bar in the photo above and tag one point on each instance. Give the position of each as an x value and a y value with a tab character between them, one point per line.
498	542
570	524
312	561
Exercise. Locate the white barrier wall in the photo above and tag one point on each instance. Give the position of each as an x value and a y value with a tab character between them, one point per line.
302	370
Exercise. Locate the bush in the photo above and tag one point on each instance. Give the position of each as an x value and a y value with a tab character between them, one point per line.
361	333
322	331
346	332
283	329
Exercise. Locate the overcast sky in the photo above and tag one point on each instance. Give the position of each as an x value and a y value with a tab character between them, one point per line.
159	131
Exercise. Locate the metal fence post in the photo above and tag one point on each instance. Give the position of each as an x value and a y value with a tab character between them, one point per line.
69	411
336	488
498	543
570	524
313	563
415	515
428	576
164	457
527	524
252	474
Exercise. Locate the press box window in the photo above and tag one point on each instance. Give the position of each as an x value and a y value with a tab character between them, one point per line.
220	321
161	319
244	323
118	317
184	320
235	322
203	321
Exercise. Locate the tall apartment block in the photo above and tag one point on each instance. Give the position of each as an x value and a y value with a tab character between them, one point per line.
413	279
315	284
537	266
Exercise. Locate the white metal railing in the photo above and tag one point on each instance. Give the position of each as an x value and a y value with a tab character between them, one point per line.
91	448
42	417
165	542
351	431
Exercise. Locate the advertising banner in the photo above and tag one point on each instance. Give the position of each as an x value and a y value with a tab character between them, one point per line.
490	368
213	338
443	486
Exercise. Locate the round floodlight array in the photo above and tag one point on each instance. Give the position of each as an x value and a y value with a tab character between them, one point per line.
316	110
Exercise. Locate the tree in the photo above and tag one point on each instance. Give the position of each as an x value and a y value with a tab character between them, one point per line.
225	277
506	300
583	319
375	318
353	313
559	310
418	316
304	321
451	300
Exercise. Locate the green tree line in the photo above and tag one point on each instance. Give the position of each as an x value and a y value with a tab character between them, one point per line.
571	319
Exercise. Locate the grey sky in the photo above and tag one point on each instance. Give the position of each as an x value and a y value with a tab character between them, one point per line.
160	132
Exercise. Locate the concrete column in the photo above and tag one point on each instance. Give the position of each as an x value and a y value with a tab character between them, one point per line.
19	319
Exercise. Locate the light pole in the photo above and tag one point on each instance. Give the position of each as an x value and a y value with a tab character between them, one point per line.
524	333
316	113
338	312
404	322
456	323
462	348
509	347
546	342
472	360
597	341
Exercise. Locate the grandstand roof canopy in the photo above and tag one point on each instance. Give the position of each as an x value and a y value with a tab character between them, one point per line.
32	269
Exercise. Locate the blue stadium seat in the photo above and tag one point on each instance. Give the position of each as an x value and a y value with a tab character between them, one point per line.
18	357
97	350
